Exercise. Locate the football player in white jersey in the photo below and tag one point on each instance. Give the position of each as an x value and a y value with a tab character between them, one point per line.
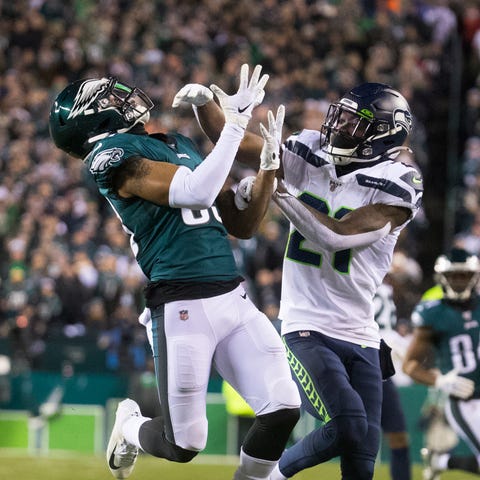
347	199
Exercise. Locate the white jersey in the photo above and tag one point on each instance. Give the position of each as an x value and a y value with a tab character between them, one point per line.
332	292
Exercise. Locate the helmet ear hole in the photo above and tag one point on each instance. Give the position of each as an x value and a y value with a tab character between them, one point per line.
103	126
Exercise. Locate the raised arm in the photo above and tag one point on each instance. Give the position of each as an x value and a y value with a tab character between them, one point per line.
211	118
243	211
175	186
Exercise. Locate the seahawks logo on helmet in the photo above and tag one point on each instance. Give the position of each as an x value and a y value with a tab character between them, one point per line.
88	92
403	119
104	159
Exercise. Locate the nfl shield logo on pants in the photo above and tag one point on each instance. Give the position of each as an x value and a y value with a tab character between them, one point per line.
183	314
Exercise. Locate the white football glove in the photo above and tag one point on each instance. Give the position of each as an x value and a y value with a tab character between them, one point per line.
238	108
243	195
272	139
193	93
453	384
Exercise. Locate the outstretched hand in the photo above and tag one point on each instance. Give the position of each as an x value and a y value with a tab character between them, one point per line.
272	139
193	93
454	384
238	108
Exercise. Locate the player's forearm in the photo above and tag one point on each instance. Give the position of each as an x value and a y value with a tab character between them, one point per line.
198	189
210	118
261	196
414	369
323	230
244	223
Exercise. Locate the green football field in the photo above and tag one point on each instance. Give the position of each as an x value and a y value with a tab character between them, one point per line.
147	468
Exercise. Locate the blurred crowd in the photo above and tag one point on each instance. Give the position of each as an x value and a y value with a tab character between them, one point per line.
66	270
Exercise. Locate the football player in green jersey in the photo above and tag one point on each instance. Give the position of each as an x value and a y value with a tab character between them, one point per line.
174	205
449	328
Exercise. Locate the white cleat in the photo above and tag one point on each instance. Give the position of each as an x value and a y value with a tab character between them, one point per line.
431	469
121	455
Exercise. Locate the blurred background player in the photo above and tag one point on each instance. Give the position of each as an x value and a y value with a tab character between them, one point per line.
393	422
447	330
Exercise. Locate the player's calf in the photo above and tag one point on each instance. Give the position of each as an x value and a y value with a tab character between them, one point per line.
270	432
153	441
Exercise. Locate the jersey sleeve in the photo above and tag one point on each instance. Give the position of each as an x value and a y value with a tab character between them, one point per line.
424	315
108	155
298	149
401	186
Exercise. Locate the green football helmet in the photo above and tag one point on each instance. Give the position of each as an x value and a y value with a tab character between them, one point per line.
458	273
89	110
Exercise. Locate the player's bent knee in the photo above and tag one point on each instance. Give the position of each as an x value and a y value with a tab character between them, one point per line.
182	455
193	436
153	441
285	392
351	430
269	433
174	453
284	419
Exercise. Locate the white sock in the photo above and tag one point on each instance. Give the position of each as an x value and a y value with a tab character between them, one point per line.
252	468
276	474
131	429
442	463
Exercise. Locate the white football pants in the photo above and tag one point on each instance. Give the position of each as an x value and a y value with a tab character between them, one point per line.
187	336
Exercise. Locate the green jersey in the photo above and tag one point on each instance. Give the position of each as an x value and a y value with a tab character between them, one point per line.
170	244
456	336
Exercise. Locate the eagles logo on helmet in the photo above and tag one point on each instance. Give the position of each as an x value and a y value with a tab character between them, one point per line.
88	92
91	109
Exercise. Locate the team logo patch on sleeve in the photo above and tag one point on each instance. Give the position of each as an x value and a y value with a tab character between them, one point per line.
414	179
104	159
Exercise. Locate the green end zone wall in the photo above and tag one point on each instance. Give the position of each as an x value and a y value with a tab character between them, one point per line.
14	426
85	429
88	413
77	428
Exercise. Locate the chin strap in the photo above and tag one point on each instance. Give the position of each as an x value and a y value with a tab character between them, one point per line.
392	153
